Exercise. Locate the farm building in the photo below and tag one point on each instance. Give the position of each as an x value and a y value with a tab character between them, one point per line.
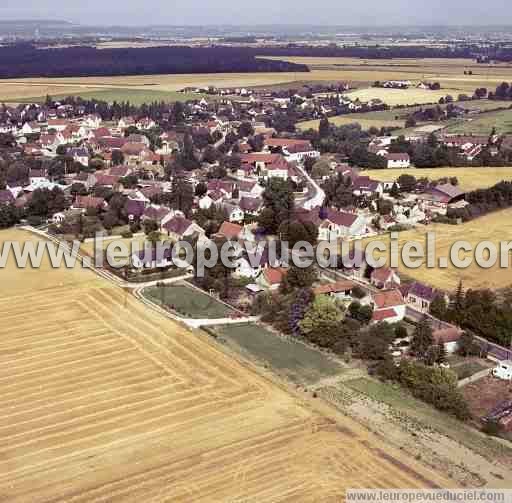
398	161
502	414
340	290
449	337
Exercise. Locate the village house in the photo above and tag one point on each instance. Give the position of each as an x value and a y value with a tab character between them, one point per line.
159	214
365	186
271	278
134	209
340	290
233	212
179	228
80	155
126	122
152	258
30	128
37	176
388	306
334	224
449	337
294	150
229	231
398	161
420	296
251	206
88	202
438	198
384	278
91	121
58	125
6	197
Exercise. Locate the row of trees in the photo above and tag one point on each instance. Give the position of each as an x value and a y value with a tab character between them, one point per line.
480	311
483	201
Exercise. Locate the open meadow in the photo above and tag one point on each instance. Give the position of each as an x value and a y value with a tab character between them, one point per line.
484	123
469	178
103	399
494	227
386	118
396	118
448	72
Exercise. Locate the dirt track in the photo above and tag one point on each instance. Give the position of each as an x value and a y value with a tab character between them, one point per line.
104	400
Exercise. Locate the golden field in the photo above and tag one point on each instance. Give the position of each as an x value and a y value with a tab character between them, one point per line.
494	227
469	178
366	123
360	72
448	72
394	97
103	399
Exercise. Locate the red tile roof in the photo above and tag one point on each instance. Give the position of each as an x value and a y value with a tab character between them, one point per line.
230	230
339	286
389	298
451	334
384	314
274	276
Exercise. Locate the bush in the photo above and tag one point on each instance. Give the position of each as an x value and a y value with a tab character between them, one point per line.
492	428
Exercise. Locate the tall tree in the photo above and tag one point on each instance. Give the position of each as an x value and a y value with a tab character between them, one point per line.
422	339
279	202
182	193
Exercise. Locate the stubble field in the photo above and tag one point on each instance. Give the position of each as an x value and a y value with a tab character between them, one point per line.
360	72
105	400
494	227
469	178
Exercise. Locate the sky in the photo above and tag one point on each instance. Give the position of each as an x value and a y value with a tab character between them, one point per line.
237	12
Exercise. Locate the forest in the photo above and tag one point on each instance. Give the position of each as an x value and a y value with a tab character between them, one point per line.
25	60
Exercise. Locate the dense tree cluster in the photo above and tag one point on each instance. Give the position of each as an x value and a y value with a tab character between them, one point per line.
481	312
25	60
502	92
483	201
432	384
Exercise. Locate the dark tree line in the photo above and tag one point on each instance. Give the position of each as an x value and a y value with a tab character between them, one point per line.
483	201
25	60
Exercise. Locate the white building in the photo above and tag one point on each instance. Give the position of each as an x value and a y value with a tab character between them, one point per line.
398	161
503	370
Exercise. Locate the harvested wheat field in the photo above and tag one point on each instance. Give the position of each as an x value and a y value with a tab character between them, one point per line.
469	178
494	227
105	400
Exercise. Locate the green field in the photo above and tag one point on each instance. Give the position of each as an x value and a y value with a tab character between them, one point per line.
396	117
134	96
484	123
187	301
293	360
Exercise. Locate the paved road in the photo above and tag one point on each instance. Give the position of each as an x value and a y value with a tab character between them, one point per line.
318	197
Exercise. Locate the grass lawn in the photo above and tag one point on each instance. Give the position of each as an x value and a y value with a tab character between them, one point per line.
406	404
468	369
297	362
187	301
134	96
469	178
